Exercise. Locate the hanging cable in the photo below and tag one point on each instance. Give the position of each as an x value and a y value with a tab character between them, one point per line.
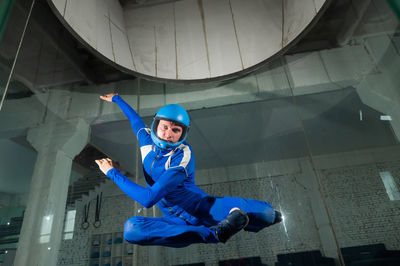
97	221
16	56
85	223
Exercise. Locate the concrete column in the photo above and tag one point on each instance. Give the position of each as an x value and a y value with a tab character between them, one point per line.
57	143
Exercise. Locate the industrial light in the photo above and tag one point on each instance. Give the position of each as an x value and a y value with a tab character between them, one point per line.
386	118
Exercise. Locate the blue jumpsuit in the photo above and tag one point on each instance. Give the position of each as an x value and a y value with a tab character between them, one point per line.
188	211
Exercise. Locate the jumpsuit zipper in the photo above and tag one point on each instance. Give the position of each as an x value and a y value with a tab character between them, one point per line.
151	169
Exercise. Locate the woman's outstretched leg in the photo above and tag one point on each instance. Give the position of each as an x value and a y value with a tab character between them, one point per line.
162	232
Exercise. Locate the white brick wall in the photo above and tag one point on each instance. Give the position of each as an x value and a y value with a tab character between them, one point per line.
361	210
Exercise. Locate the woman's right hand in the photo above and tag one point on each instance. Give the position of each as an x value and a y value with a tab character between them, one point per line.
108	97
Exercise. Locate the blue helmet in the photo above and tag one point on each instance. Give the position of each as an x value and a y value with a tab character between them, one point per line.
176	114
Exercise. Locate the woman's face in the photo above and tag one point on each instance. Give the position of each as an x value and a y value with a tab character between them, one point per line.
168	131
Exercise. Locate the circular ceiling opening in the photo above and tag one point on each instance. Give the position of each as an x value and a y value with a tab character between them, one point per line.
187	40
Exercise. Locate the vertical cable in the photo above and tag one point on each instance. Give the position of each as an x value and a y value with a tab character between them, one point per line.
135	247
16	55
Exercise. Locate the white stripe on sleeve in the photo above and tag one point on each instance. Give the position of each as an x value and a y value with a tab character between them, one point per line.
186	155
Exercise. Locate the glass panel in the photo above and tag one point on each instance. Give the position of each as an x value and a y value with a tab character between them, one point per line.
351	129
17	156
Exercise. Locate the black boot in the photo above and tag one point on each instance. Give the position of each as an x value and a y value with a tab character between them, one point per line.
233	223
278	217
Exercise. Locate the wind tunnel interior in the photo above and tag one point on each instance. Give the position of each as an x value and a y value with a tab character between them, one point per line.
310	126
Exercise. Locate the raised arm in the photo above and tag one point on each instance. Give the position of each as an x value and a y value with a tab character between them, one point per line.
136	121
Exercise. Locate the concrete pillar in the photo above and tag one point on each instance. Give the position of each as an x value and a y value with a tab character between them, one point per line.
57	143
